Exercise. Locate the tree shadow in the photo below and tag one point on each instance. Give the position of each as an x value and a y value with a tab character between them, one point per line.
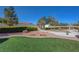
3	40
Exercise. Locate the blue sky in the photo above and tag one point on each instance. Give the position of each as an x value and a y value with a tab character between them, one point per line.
65	14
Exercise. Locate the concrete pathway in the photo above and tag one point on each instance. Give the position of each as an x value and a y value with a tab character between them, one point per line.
50	35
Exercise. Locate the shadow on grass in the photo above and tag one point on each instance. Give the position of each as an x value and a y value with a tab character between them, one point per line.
3	40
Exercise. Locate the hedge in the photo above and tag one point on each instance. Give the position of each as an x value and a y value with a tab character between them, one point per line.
12	29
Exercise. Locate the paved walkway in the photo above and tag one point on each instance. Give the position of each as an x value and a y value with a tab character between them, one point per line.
49	35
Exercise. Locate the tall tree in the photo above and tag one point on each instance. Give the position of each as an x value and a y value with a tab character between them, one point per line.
11	16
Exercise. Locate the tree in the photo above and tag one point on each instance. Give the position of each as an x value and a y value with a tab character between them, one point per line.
47	20
64	24
52	21
76	24
42	22
11	16
2	20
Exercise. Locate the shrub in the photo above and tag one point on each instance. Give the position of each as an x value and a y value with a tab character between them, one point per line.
31	28
12	29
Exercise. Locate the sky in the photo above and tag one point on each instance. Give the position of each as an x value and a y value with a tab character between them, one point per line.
65	14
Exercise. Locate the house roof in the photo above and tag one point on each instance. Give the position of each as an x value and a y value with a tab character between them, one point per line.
24	24
27	23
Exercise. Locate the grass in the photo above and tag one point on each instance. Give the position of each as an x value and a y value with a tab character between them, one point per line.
21	44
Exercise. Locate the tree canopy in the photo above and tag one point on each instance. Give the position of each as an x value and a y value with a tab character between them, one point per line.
11	16
48	20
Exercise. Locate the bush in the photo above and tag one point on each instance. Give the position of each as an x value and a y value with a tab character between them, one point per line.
12	29
31	28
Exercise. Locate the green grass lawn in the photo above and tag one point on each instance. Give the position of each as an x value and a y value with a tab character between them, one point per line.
21	44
